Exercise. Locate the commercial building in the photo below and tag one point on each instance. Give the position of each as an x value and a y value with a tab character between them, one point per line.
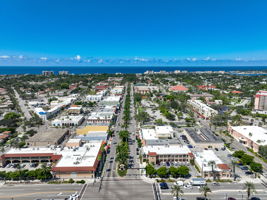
68	162
203	137
100	118
50	137
75	109
210	165
250	136
90	129
202	109
144	89
206	96
155	154
55	107
159	132
63	73
80	162
47	73
94	98
260	102
67	121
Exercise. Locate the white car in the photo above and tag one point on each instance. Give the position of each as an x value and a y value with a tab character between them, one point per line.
179	183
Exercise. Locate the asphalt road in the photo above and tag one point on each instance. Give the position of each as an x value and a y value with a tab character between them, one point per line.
120	189
38	191
22	105
218	192
134	158
110	165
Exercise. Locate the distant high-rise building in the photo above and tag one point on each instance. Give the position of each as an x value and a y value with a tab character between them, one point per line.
47	73
261	100
63	72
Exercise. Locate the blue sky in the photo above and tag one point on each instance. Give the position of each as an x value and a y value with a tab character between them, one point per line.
76	31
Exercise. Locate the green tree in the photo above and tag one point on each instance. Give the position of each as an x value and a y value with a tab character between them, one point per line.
247	159
183	171
150	170
256	167
250	188
205	190
263	151
238	154
11	115
162	172
173	171
177	192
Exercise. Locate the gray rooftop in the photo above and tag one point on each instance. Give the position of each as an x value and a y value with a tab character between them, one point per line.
163	142
49	135
202	135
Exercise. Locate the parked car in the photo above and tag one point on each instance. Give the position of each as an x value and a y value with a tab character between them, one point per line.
200	198
231	198
248	173
255	198
244	167
164	186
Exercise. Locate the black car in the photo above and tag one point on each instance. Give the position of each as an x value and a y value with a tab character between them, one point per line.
164	186
248	173
231	198
255	198
201	198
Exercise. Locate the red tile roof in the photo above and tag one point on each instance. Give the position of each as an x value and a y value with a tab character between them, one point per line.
178	88
236	92
152	153
223	166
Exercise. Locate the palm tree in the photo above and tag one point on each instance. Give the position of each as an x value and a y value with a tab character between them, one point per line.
212	164
250	187
205	190
177	191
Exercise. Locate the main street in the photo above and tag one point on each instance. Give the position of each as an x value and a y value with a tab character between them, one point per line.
22	105
134	159
110	166
221	192
38	191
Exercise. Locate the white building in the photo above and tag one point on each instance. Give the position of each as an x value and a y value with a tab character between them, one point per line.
159	132
94	98
202	109
156	154
208	162
68	121
250	136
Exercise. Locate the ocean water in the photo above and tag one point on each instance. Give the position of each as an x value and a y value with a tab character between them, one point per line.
9	70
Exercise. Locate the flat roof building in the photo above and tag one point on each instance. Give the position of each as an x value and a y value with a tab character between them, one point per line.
208	163
67	121
202	109
250	136
156	154
89	129
203	137
49	137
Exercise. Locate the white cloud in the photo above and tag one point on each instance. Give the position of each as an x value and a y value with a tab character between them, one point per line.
191	59
78	57
238	59
4	57
43	58
140	59
207	58
100	61
20	56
